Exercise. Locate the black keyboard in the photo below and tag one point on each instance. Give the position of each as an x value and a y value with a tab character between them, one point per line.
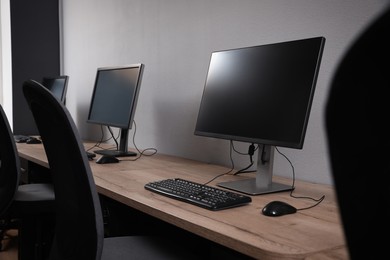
198	194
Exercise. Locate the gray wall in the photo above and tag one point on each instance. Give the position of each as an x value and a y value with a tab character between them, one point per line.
174	39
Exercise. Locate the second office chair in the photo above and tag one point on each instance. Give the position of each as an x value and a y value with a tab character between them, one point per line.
24	207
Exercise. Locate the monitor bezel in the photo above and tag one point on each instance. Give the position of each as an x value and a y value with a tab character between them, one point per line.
128	124
65	88
259	140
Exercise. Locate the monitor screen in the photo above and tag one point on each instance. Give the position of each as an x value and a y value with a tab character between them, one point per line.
57	85
114	100
261	94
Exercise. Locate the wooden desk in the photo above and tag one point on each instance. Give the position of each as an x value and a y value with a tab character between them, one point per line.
310	234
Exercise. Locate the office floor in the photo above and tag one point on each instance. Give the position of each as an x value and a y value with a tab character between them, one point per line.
10	246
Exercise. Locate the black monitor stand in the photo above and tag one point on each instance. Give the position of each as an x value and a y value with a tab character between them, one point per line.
123	146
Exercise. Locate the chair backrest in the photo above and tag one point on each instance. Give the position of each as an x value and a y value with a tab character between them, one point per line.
9	164
357	115
79	229
57	85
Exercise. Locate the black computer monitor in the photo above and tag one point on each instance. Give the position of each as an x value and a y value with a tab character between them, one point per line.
261	95
114	101
57	85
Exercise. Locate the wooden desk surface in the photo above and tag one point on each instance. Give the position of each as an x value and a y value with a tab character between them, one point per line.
309	234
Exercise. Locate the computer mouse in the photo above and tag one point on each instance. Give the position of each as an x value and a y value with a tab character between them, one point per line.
33	140
278	208
107	159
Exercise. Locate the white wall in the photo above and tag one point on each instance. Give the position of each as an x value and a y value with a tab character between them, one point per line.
5	60
174	39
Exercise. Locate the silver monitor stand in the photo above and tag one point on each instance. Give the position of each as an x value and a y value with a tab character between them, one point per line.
262	184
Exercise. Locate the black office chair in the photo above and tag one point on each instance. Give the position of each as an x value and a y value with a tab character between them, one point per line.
23	207
358	131
79	230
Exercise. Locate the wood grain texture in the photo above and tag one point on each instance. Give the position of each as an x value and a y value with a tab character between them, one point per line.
315	233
